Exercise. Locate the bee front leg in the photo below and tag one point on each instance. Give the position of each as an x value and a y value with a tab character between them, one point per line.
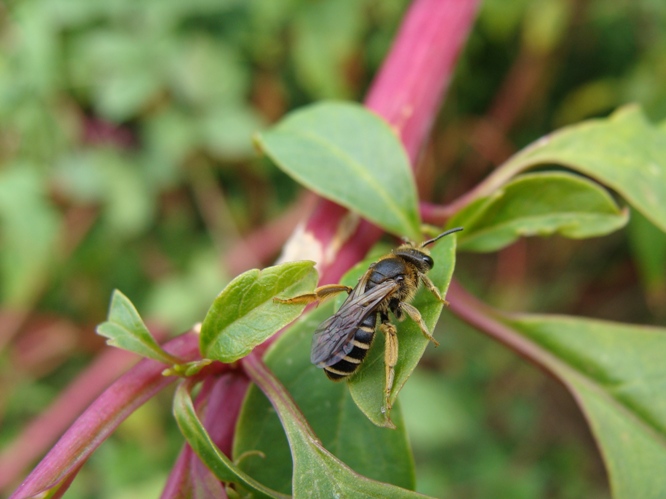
390	360
319	295
432	288
415	315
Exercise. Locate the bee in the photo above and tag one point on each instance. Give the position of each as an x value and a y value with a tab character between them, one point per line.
341	342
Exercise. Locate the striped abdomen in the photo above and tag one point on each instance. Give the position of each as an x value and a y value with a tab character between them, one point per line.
350	362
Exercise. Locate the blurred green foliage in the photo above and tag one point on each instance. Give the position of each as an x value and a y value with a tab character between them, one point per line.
126	162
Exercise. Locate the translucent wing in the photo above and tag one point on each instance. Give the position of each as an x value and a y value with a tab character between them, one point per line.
333	338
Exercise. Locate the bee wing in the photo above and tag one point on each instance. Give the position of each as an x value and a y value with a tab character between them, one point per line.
333	338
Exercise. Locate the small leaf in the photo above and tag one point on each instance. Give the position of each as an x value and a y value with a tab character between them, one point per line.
317	473
625	152
334	146
125	329
367	385
618	376
244	314
196	435
187	369
371	451
538	204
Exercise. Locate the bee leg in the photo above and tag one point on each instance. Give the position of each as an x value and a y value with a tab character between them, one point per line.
390	360
320	294
415	315
432	288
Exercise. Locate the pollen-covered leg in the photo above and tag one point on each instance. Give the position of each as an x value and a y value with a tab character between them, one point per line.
320	294
390	360
433	289
415	315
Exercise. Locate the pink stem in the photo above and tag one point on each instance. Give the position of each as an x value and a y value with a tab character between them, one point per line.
408	89
44	430
102	417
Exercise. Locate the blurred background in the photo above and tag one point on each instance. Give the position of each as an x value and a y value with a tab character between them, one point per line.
126	161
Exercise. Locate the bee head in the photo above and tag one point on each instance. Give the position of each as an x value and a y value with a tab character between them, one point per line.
419	256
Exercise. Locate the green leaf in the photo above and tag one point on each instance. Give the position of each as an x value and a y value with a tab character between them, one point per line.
618	375
367	385
317	472
332	146
625	152
377	453
538	204
244	314
125	329
194	432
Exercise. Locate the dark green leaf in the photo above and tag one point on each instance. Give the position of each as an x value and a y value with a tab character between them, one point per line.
317	473
347	154
374	452
538	204
244	314
125	329
196	435
367	385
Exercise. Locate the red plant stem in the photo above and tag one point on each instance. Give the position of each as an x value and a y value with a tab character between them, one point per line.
408	89
43	431
406	93
183	480
103	416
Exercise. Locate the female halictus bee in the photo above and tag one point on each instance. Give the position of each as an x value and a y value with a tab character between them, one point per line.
341	342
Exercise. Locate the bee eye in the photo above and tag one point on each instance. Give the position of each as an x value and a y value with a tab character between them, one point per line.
428	261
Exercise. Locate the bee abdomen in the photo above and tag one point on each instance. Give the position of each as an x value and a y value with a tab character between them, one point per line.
349	363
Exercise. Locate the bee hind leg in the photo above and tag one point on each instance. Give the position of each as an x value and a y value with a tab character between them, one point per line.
415	315
390	360
319	295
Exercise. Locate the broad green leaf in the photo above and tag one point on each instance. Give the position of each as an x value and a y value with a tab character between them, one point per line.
377	453
194	432
624	152
317	472
367	385
347	154
125	329
244	314
538	204
617	374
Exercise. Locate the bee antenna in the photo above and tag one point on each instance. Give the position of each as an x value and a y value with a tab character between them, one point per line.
446	233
